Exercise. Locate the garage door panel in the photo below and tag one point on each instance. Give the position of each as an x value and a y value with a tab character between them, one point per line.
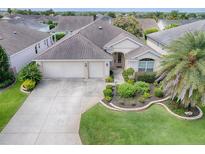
63	70
96	70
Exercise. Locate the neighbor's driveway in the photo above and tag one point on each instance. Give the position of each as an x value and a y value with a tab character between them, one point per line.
51	114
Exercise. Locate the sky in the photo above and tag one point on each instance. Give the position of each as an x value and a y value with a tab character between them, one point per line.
123	9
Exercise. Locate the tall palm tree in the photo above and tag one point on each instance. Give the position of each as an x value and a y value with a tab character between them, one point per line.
184	69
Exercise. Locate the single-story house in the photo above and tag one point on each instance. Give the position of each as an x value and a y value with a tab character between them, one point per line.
162	23
147	23
69	24
91	51
160	40
31	21
22	44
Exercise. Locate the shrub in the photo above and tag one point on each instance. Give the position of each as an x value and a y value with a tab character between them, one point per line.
125	76
130	81
6	76
107	92
109	79
30	72
141	87
128	74
130	71
151	30
51	26
148	77
59	36
158	92
108	98
146	95
29	84
141	99
126	90
109	87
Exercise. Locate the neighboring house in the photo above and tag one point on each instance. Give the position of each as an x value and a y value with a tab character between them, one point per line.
22	44
30	21
69	24
147	23
160	40
93	50
162	23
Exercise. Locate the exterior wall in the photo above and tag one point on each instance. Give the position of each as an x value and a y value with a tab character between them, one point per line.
124	46
134	63
156	47
25	56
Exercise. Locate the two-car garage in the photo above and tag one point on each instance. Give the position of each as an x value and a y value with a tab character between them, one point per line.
74	69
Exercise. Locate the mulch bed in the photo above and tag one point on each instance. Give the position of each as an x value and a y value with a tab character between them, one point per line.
132	102
180	110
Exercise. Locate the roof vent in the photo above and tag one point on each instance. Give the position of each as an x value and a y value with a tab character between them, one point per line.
14	32
99	27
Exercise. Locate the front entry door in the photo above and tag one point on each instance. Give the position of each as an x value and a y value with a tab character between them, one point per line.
118	60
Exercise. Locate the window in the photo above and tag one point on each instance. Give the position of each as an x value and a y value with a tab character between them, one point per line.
146	65
36	50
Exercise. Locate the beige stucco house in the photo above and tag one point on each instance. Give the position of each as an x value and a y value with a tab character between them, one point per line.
93	50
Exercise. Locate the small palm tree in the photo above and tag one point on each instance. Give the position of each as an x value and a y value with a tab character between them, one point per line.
183	69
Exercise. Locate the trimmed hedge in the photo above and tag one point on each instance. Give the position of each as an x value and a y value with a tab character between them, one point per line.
109	79
107	92
148	77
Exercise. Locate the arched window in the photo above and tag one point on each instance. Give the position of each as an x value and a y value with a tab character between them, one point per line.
146	65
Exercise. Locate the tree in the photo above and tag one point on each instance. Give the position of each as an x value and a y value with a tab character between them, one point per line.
6	77
9	10
130	24
111	14
184	69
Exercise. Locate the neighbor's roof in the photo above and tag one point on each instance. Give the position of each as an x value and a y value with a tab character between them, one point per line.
147	23
71	23
167	36
16	38
75	47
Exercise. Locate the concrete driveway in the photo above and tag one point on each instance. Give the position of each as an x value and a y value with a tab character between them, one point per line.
51	114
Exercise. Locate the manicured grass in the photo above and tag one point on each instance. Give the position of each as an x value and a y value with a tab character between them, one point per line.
10	101
100	125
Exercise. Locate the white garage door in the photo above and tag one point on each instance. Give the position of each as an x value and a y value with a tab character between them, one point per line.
96	70
63	70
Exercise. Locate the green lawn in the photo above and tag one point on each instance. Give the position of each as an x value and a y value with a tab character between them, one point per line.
10	101
100	125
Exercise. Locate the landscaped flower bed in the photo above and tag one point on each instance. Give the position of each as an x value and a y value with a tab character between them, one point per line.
180	110
138	100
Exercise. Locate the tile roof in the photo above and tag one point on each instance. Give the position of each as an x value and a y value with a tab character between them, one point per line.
147	23
75	47
71	23
167	36
16	38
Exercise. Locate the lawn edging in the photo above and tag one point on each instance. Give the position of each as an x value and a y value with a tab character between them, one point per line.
158	102
182	117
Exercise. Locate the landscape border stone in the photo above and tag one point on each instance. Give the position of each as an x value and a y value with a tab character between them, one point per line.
158	102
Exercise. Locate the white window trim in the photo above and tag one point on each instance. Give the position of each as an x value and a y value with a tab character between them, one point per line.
146	65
